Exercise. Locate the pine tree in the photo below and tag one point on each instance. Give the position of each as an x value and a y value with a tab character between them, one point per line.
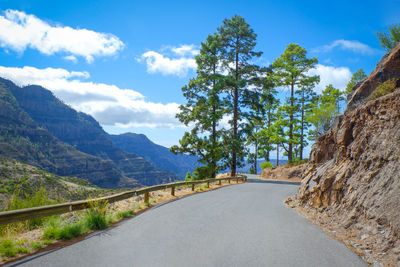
204	109
306	95
323	111
238	43
291	70
390	38
357	77
270	103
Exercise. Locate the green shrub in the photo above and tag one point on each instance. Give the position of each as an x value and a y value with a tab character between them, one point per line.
52	227
125	214
188	177
7	248
96	215
36	245
298	162
40	198
384	88
201	173
266	164
47	241
70	231
22	250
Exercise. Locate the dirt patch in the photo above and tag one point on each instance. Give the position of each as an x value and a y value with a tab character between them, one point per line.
284	173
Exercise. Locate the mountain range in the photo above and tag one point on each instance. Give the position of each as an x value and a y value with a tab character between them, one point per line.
39	129
158	155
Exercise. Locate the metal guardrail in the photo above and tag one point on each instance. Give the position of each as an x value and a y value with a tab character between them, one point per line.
43	211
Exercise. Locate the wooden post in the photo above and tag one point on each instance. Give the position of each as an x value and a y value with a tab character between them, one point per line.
229	181
237	180
173	190
219	182
192	187
146	197
208	184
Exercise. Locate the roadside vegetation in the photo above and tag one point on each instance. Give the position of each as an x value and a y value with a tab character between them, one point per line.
18	239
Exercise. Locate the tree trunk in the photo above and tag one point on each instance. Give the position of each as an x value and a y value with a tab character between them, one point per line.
255	156
269	128
277	155
214	133
291	117
302	130
214	163
235	112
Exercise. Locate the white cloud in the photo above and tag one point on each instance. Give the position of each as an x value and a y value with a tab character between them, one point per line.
179	66
354	46
71	58
19	31
184	50
108	104
338	77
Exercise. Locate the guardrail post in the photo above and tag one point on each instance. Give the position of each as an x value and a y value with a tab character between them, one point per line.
173	190
146	197
192	187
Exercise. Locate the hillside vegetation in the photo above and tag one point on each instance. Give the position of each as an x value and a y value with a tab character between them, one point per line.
19	180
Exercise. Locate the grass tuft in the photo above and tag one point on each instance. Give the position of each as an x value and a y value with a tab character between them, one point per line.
125	214
36	245
7	248
96	215
70	231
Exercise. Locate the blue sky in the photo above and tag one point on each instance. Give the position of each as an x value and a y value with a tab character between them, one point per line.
124	62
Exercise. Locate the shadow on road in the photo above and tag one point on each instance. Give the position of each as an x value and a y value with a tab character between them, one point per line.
271	182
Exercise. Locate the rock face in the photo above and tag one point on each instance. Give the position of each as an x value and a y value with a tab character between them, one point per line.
387	68
354	170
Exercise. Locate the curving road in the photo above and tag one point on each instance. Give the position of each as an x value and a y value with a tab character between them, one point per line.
238	225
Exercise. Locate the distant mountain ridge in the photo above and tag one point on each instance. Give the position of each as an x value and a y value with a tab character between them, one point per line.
159	155
83	133
22	139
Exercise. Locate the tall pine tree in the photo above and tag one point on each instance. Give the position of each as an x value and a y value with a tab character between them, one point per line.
238	43
291	70
204	109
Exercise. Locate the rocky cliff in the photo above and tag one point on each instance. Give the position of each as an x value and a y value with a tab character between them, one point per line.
353	177
84	133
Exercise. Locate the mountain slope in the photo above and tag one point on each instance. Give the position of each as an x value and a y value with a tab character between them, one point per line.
21	179
22	139
84	132
158	155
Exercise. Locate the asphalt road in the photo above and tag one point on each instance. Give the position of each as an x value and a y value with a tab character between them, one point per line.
238	225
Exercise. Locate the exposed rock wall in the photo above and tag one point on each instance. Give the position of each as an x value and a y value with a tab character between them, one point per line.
353	176
387	68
